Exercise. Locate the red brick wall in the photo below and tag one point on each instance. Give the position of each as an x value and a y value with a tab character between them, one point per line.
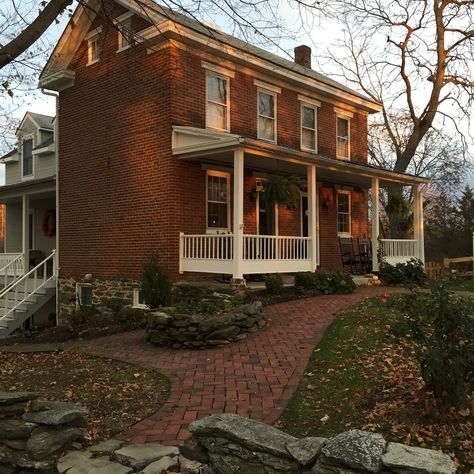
123	195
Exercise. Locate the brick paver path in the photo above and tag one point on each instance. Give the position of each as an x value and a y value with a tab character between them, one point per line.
255	377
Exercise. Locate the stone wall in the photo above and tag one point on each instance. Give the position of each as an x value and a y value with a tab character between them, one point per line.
101	291
227	444
174	329
34	433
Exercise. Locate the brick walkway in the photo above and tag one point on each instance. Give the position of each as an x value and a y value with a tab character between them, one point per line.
255	377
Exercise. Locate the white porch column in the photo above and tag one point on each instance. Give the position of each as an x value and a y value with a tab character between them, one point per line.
418	231
26	231
312	216
375	224
238	227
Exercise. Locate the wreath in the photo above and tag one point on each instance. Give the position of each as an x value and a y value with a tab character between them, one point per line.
49	223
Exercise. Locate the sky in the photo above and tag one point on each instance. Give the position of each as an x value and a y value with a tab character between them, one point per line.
320	38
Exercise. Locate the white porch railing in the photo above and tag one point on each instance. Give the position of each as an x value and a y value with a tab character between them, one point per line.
22	290
399	250
11	265
213	253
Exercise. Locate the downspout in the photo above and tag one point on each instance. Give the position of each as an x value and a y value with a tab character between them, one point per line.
56	142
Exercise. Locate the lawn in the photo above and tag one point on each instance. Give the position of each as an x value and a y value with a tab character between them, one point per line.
362	376
462	285
116	394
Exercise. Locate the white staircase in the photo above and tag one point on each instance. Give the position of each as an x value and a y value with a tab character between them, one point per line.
25	294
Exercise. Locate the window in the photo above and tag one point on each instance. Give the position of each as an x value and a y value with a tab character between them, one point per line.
27	158
342	132
83	294
93	46
344	212
31	230
125	36
138	300
217	200
266	116
217	110
308	128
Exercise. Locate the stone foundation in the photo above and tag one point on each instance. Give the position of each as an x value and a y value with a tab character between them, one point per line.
102	290
173	329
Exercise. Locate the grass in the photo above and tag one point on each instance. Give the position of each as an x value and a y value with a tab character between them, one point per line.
462	285
362	376
116	394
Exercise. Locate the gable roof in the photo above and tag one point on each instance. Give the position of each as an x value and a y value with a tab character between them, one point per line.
39	120
10	154
156	14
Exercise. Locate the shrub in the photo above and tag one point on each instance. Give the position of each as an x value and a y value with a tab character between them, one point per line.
85	315
274	283
114	304
155	283
327	282
443	330
409	273
134	316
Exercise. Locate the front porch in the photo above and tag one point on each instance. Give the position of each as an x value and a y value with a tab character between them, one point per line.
237	252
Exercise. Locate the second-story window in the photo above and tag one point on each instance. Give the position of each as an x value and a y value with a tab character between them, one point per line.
342	140
217	107
308	128
27	158
125	36
93	46
266	128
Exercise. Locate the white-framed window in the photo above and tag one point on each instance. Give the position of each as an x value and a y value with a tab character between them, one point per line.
344	213
217	101
138	299
31	230
124	27
218	201
27	164
267	115
84	294
93	46
343	148
309	139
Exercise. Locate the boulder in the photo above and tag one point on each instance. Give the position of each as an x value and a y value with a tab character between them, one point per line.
306	450
81	462
12	428
158	467
10	398
140	455
224	333
405	459
355	449
192	449
187	466
44	442
13	409
108	446
57	416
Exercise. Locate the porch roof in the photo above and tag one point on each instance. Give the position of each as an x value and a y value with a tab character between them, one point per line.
216	148
32	186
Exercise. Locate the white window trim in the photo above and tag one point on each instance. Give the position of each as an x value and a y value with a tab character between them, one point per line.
90	37
315	108
219	69
31	229
344	117
348	193
267	87
119	24
227	79
309	100
275	109
136	300
32	175
221	174
78	294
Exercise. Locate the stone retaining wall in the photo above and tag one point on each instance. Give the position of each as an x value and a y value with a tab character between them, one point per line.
34	433
174	329
227	444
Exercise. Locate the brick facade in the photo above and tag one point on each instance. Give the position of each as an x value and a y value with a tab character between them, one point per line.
123	196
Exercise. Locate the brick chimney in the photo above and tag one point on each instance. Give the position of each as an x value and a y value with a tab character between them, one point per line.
303	56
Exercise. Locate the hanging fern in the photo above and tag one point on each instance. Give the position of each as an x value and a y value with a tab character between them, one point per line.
282	190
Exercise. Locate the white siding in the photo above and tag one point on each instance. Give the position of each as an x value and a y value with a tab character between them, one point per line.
13	228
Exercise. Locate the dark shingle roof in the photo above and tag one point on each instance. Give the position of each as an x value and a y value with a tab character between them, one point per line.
44	121
9	154
45	143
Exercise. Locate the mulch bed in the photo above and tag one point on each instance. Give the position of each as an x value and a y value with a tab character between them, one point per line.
116	394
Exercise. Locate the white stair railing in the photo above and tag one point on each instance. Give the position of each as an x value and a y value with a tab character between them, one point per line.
12	266
25	287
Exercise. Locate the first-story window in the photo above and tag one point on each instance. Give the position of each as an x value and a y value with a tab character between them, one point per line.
84	294
31	230
27	158
344	212
217	200
308	127
217	108
342	140
266	127
138	299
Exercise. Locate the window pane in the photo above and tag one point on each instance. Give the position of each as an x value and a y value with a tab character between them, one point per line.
217	215
342	128
342	147
27	157
343	203
308	117
266	104
86	295
216	116
343	223
308	139
216	89
217	188
266	128
30	231
126	31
